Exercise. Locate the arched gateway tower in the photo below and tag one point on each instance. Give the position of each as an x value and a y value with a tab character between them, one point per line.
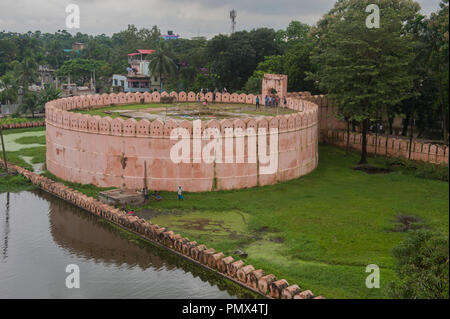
277	82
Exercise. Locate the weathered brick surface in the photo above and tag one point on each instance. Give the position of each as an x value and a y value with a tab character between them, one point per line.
75	165
265	282
236	270
290	292
277	287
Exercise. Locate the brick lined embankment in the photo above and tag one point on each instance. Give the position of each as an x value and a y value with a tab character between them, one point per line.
23	125
235	270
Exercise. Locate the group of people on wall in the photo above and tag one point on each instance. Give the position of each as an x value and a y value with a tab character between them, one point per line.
275	101
271	100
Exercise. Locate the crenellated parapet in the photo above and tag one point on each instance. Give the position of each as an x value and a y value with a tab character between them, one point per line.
90	149
58	111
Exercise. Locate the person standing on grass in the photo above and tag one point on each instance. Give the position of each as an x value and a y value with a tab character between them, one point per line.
266	101
285	102
257	102
180	193
146	194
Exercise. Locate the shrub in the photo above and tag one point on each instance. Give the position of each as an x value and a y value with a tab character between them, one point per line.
419	169
167	99
421	262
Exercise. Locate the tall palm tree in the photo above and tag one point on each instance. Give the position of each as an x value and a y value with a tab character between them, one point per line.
48	94
9	89
161	63
27	72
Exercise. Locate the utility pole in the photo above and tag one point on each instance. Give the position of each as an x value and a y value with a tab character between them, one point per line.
4	151
413	123
233	15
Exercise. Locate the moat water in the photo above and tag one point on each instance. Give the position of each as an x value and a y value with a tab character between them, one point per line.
41	234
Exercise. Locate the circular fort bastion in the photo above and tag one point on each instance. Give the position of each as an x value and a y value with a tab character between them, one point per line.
110	152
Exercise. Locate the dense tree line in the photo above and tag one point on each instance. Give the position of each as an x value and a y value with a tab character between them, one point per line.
397	68
400	69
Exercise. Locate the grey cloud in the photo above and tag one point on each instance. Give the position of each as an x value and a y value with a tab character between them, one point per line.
188	18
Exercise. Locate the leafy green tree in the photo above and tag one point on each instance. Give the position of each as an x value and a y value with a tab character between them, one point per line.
8	53
272	64
189	56
30	103
81	70
55	53
297	64
422	265
235	57
48	94
294	33
420	109
26	72
9	92
161	63
439	60
362	69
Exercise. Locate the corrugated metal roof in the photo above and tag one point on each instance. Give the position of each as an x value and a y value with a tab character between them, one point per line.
146	51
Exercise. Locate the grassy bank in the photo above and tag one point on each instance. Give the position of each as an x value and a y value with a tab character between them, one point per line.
88	190
319	231
13	183
25	147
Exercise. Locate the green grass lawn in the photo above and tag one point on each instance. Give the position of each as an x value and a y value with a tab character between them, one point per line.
101	111
189	106
25	147
31	140
319	231
23	130
13	183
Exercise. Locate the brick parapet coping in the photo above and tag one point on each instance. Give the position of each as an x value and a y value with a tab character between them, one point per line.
235	270
89	149
23	125
57	113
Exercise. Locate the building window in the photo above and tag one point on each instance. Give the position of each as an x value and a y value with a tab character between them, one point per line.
156	79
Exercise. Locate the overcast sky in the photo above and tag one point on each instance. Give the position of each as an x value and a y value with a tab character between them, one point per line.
185	17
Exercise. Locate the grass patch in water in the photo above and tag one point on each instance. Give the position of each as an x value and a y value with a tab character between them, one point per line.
31	140
22	130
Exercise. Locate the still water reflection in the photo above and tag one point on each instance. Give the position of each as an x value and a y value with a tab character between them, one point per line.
41	235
